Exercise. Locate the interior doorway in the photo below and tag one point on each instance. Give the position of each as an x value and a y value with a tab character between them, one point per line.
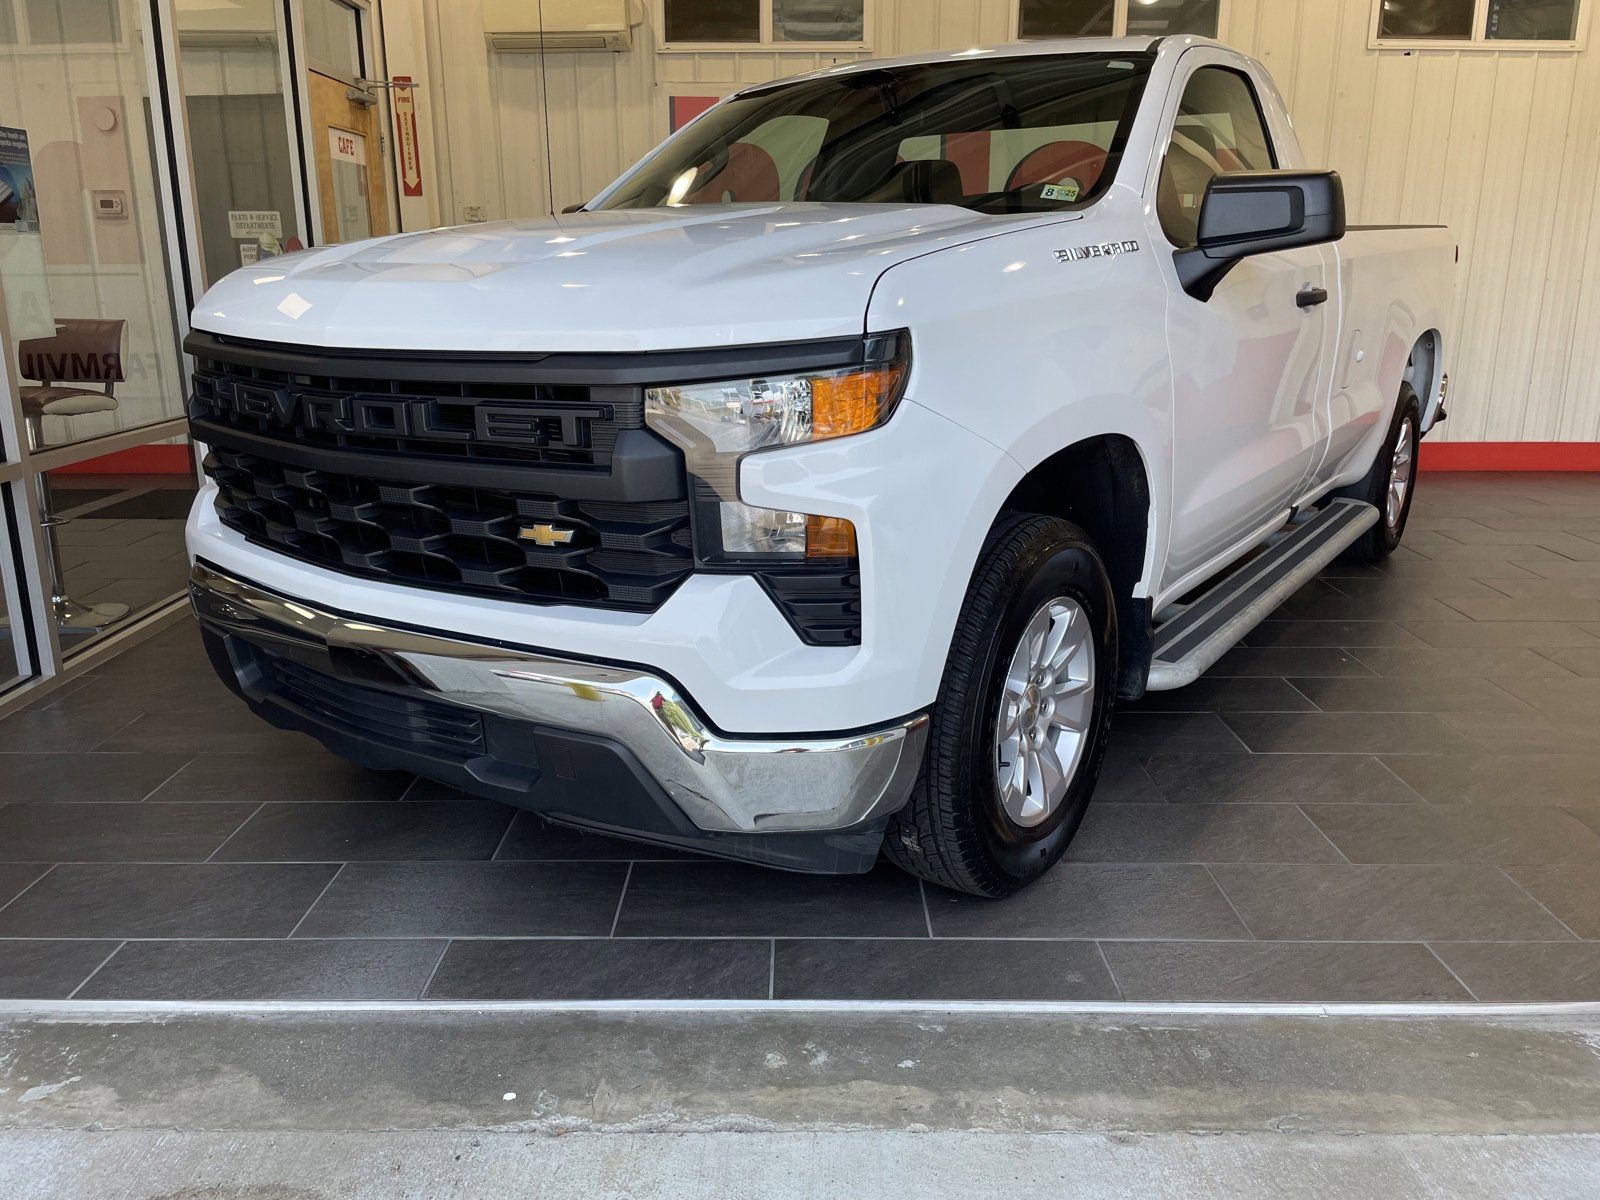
347	122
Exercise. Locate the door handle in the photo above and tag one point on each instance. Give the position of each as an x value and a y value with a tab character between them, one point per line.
1311	296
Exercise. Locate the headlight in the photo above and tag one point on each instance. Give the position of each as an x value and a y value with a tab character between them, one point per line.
717	424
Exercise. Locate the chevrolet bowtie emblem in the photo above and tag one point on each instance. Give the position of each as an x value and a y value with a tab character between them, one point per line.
546	535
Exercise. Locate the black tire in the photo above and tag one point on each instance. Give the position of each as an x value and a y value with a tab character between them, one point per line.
1383	538
955	831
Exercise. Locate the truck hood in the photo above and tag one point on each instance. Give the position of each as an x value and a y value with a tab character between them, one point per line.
646	279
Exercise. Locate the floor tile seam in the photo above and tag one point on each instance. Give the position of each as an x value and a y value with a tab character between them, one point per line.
115	950
1440	959
1523	888
295	928
622	896
221	845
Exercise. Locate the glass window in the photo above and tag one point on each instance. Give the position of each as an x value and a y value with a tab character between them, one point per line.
333	36
713	20
1405	20
1026	134
1066	18
117	539
73	22
83	266
1533	20
818	20
1158	18
1219	129
8	24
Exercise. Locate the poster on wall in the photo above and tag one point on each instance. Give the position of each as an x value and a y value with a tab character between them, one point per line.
19	202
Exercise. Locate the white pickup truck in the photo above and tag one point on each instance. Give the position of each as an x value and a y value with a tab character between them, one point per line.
814	491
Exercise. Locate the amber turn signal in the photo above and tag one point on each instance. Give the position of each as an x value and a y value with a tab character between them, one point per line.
855	401
830	537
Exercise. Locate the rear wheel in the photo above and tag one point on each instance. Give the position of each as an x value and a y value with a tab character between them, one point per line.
1018	731
1391	484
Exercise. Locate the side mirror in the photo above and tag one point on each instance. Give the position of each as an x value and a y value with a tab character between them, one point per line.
1259	212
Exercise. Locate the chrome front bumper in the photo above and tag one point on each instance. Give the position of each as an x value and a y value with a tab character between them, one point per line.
722	784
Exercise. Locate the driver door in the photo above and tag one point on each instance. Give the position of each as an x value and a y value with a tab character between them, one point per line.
1250	386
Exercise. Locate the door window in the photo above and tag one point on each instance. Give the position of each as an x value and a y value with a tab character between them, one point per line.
232	84
1219	129
333	37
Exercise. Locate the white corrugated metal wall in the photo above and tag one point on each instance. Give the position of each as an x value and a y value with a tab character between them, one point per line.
1503	146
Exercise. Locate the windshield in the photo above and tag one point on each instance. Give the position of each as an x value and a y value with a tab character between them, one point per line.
1006	135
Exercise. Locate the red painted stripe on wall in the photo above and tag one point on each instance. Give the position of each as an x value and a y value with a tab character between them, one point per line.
1509	456
135	460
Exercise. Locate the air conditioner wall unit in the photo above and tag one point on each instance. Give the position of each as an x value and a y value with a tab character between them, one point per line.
514	27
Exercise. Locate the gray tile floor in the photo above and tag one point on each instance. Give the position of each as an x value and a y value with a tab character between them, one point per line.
1391	793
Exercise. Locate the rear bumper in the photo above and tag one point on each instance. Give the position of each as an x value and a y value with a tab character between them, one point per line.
609	746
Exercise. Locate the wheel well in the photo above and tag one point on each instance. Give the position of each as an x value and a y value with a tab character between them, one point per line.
1101	486
1423	367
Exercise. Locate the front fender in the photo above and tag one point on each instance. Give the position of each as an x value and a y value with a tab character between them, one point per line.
1034	352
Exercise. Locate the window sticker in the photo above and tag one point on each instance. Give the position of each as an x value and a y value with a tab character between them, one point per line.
1068	190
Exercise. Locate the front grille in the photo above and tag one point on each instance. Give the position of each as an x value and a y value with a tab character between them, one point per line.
464	475
459	538
392	718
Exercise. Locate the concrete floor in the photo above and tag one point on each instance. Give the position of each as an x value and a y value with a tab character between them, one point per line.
728	1166
314	1106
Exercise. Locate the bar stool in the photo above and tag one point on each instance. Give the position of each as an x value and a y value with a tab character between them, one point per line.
82	350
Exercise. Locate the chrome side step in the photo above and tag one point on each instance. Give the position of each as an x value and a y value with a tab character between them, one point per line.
1193	640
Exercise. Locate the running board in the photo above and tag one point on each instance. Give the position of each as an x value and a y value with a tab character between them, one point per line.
1206	630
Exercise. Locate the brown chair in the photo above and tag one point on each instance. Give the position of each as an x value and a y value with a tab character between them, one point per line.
82	351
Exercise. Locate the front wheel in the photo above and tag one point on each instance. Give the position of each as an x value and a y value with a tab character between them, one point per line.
1018	732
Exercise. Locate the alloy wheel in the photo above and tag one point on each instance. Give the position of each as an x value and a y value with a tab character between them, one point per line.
1045	712
1401	470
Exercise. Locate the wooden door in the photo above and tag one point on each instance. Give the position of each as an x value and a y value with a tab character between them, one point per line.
350	181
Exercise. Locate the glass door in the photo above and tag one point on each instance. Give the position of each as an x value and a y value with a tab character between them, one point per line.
145	151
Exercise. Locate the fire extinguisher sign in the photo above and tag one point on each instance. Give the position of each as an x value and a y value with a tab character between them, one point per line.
405	139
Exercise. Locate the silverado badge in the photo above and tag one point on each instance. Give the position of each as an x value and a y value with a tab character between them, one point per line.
546	535
1100	250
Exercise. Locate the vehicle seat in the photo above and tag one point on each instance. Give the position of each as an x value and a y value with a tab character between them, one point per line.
1057	161
749	176
1180	191
922	181
802	185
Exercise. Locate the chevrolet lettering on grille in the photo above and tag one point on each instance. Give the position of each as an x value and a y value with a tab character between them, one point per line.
523	424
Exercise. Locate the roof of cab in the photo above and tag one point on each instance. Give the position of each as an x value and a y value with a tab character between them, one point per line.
1081	45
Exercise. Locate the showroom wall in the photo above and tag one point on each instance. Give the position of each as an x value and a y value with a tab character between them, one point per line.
1501	145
